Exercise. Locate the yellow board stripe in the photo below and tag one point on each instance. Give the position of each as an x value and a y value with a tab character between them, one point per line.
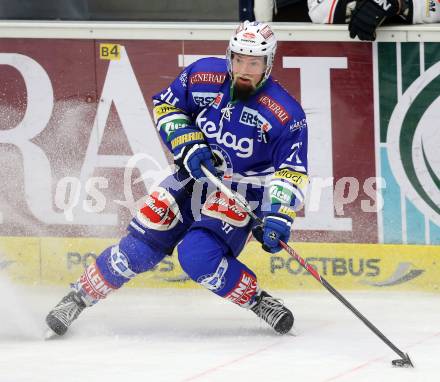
352	266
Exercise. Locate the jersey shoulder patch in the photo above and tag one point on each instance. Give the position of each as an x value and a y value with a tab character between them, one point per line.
208	71
278	105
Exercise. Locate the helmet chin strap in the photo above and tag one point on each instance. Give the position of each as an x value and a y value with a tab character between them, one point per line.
262	81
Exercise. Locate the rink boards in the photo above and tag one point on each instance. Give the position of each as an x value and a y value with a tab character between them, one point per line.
59	261
77	127
77	130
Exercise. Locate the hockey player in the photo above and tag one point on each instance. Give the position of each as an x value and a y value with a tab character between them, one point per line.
232	117
364	16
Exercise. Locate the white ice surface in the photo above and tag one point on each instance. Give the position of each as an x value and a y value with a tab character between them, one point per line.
191	335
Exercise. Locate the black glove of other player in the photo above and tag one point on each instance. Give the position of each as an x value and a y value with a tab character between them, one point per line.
368	15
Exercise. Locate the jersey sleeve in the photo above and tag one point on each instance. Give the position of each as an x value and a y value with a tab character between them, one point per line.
289	182
195	88
330	11
425	12
172	109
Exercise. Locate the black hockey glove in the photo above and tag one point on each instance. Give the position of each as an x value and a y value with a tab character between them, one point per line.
368	15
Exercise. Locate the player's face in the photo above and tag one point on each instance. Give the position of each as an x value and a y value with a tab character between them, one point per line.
247	70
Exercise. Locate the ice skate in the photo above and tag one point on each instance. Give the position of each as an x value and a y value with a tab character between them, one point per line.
65	312
273	312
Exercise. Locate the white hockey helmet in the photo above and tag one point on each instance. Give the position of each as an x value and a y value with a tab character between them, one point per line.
253	39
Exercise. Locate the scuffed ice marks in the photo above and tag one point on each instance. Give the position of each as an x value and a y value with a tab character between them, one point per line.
19	321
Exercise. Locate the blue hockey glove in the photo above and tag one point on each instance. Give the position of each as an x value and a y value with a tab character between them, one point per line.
190	151
275	227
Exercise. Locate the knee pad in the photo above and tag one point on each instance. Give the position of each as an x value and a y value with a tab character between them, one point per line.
121	262
200	253
207	261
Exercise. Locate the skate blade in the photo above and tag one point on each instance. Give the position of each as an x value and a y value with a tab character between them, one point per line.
294	332
49	334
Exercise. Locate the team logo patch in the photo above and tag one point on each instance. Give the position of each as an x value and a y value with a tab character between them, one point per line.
219	206
296	178
248	35
244	290
226	167
119	263
266	32
244	147
217	101
203	98
164	109
183	78
280	195
275	108
215	281
160	212
94	283
295	125
265	126
207	78
249	116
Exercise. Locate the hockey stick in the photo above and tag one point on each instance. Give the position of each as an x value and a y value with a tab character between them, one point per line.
404	360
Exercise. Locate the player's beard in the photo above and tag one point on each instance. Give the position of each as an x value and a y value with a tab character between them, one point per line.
243	91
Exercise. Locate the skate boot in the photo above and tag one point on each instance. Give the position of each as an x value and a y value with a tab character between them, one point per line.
273	312
65	312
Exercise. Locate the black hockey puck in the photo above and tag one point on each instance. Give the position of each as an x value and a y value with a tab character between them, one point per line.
402	362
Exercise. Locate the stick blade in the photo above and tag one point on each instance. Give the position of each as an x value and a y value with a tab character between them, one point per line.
402	362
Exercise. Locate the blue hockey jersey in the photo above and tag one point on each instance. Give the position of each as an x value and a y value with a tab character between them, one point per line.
262	140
